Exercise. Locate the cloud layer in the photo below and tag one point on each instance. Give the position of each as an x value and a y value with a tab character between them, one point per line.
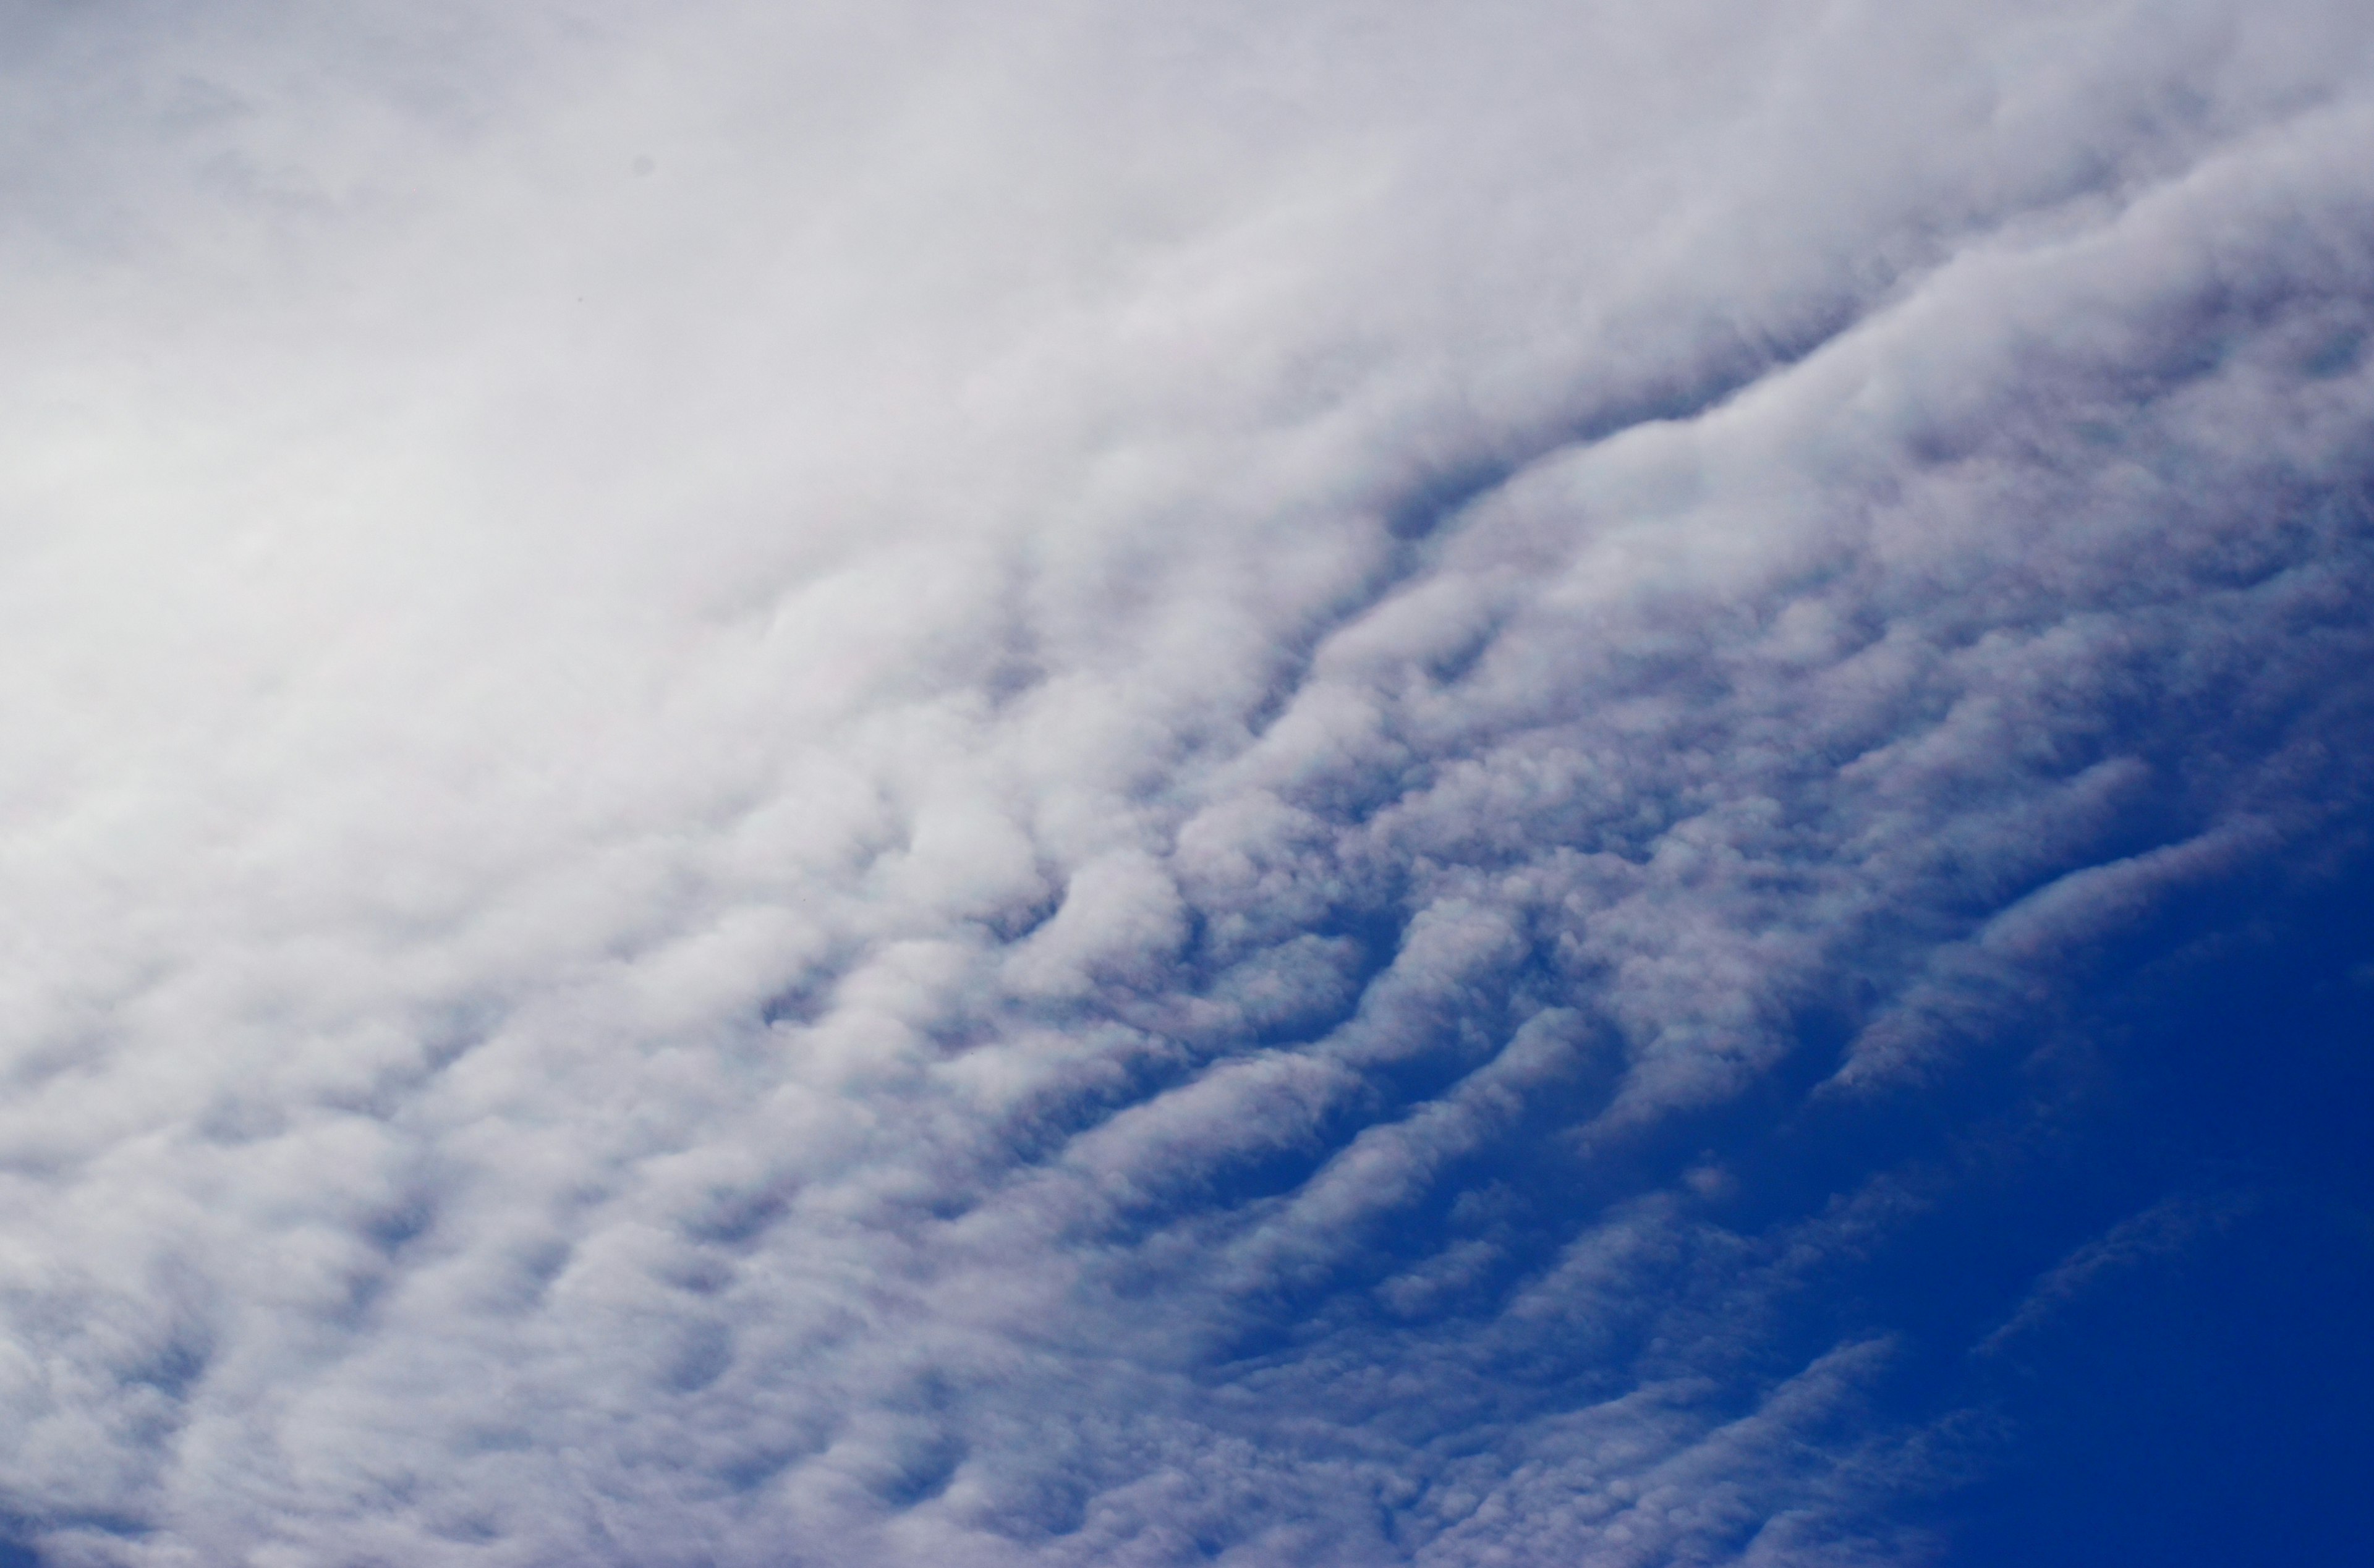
1004	787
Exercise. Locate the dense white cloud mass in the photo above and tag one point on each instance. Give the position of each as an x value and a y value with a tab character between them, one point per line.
981	785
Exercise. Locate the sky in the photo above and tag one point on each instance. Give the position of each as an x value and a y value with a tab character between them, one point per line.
979	786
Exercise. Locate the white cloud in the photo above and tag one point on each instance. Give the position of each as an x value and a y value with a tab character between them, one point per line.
817	784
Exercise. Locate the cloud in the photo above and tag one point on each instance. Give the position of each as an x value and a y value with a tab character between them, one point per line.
2168	1228
995	787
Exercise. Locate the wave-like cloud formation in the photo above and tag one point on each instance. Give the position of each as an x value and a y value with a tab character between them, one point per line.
1017	786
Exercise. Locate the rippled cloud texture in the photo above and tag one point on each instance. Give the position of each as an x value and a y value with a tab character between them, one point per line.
977	785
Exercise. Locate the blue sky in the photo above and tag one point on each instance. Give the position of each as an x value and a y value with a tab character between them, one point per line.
977	786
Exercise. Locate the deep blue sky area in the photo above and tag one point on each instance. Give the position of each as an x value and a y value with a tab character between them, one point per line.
2211	1403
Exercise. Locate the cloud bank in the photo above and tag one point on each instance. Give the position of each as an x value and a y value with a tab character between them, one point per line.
1023	786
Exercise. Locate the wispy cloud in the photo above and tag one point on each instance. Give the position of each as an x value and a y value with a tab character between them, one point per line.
2166	1230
